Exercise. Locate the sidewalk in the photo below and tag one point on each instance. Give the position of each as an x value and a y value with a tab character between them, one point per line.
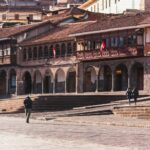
93	115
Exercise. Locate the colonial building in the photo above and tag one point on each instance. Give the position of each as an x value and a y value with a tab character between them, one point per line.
92	53
20	14
115	6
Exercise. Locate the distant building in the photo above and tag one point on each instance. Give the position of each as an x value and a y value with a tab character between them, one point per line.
20	14
115	6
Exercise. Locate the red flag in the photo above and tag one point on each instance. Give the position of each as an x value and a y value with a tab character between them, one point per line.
102	47
54	52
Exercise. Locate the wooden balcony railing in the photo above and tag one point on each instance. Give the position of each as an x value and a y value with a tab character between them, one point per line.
110	53
7	59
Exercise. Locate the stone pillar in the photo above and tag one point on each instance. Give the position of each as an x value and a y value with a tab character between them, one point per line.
7	83
96	83
54	87
77	78
80	77
65	84
113	80
129	80
42	87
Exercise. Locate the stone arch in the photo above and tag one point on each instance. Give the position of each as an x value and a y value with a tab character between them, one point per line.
137	76
27	83
71	80
60	81
48	82
3	82
12	81
89	84
121	78
37	82
105	78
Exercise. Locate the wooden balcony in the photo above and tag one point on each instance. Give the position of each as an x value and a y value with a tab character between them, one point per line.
5	60
110	53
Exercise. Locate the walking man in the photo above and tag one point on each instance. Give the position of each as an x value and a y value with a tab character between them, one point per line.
28	107
135	94
129	94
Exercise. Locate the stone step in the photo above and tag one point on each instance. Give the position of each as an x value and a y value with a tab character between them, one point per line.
134	111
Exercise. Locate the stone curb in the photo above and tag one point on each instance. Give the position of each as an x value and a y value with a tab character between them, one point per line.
123	124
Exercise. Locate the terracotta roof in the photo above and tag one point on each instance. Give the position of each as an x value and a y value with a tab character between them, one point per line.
58	34
12	31
21	8
117	21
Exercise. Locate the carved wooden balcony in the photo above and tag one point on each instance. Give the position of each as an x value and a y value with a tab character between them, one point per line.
110	53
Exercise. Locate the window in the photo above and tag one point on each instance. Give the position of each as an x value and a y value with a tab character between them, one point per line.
45	52
121	41
51	51
35	53
3	16
97	7
24	54
140	40
13	81
16	16
40	52
30	17
63	50
132	40
69	49
109	3
114	42
29	53
57	50
102	4
106	41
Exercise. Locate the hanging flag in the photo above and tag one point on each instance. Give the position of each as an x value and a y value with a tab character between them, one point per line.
102	47
54	52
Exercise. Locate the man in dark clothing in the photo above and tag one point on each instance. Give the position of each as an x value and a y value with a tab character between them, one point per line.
129	94
135	94
28	107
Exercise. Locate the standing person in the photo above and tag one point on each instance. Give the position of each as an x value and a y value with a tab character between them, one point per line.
135	94
129	94
28	107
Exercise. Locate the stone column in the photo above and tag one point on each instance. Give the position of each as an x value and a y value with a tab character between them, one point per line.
96	83
113	80
65	83
77	78
129	80
54	86
7	82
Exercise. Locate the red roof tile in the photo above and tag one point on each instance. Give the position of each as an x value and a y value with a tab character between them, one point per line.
58	34
117	21
12	31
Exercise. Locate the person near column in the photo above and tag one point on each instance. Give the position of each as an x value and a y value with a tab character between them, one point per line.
129	94
135	94
28	108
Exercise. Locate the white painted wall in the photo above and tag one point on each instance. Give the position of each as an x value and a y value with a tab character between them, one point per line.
118	7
